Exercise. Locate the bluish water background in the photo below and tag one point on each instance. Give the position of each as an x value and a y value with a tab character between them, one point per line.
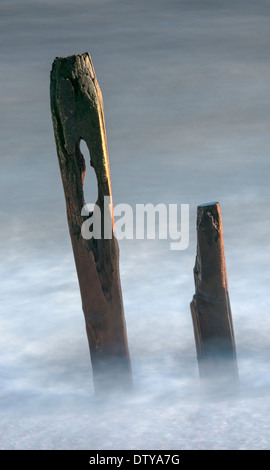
187	98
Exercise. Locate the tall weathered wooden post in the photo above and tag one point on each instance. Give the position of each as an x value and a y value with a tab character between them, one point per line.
77	113
210	307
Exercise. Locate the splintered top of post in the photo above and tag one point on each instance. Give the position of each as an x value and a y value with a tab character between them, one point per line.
209	220
70	64
209	204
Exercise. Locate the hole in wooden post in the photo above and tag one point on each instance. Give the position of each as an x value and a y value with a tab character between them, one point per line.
90	179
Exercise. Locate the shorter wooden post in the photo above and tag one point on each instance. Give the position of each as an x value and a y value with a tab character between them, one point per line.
210	307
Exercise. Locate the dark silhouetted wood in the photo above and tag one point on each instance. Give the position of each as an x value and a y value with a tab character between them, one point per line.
77	113
210	307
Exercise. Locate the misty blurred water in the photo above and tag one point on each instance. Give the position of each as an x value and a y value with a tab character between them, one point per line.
187	98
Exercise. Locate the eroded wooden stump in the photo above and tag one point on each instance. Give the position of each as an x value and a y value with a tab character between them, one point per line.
210	307
77	113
